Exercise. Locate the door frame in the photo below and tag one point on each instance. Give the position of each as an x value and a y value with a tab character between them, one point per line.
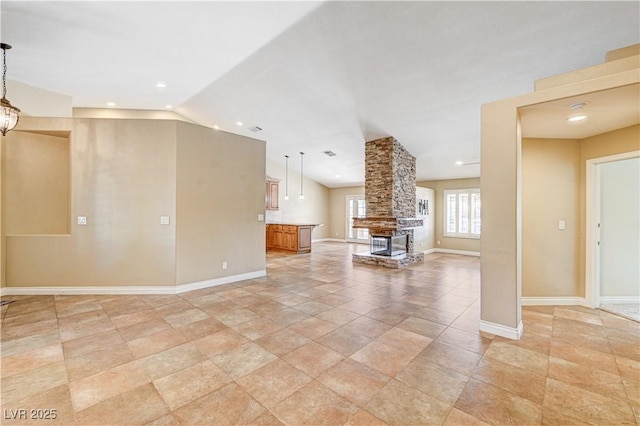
592	222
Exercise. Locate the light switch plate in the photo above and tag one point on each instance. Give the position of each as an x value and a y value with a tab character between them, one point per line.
260	217
561	225
164	220
82	220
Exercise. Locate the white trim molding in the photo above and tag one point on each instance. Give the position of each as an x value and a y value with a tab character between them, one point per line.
502	330
168	289
620	300
462	252
559	301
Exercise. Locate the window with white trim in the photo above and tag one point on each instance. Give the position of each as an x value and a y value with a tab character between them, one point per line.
462	213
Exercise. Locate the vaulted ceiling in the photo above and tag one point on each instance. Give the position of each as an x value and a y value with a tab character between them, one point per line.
316	76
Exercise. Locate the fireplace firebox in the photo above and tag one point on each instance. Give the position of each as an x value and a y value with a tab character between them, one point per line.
382	245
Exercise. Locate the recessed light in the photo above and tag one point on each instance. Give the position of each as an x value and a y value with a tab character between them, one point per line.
161	85
575	118
338	176
215	126
111	104
168	106
239	123
459	163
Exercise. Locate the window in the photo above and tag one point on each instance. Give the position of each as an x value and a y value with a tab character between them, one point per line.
462	213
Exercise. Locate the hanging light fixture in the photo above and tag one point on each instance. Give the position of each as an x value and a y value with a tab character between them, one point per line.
301	174
9	115
286	178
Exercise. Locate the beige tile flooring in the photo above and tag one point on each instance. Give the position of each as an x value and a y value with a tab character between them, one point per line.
318	341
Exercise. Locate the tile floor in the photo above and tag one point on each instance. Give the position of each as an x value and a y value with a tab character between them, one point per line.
318	341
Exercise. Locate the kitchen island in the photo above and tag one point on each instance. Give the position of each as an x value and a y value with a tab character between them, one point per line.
290	237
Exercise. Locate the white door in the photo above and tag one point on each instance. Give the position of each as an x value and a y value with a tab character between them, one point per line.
619	231
356	207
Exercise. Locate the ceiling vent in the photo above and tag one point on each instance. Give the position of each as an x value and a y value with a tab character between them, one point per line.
329	153
255	129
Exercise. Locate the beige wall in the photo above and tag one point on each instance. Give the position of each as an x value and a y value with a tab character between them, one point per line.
36	183
123	180
550	193
501	193
315	208
554	188
465	244
36	102
338	211
137	114
220	192
124	177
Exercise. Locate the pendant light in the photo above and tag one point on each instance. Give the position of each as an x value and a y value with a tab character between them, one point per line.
286	178
301	174
9	115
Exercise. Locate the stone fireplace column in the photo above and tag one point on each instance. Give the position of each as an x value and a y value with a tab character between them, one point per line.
390	195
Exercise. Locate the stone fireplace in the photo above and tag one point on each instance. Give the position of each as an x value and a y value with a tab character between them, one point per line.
390	195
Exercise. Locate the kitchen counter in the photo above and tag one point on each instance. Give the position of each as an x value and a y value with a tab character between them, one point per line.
289	237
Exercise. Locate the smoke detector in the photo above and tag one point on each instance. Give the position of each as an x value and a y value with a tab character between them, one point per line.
329	153
255	129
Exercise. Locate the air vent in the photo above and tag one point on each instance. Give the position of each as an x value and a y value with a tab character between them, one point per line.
255	129
329	153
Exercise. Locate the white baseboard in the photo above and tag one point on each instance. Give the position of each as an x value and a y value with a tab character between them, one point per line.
169	289
502	330
560	301
619	300
462	252
183	288
429	251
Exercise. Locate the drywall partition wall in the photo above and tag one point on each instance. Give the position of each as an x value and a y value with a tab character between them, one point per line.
501	195
122	181
220	192
36	185
447	243
314	208
551	225
338	210
424	236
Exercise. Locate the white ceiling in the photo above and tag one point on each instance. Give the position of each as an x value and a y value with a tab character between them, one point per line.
316	76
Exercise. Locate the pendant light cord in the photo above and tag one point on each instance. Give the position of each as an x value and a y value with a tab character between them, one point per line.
4	72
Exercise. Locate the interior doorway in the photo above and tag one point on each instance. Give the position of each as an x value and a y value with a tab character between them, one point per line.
356	207
613	234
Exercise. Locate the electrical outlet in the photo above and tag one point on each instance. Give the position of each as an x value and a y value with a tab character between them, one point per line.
224	265
82	220
438	242
164	220
260	217
561	225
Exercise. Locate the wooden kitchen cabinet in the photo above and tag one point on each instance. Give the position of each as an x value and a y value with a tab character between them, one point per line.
272	194
291	238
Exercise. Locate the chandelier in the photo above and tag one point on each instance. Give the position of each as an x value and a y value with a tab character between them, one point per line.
9	115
